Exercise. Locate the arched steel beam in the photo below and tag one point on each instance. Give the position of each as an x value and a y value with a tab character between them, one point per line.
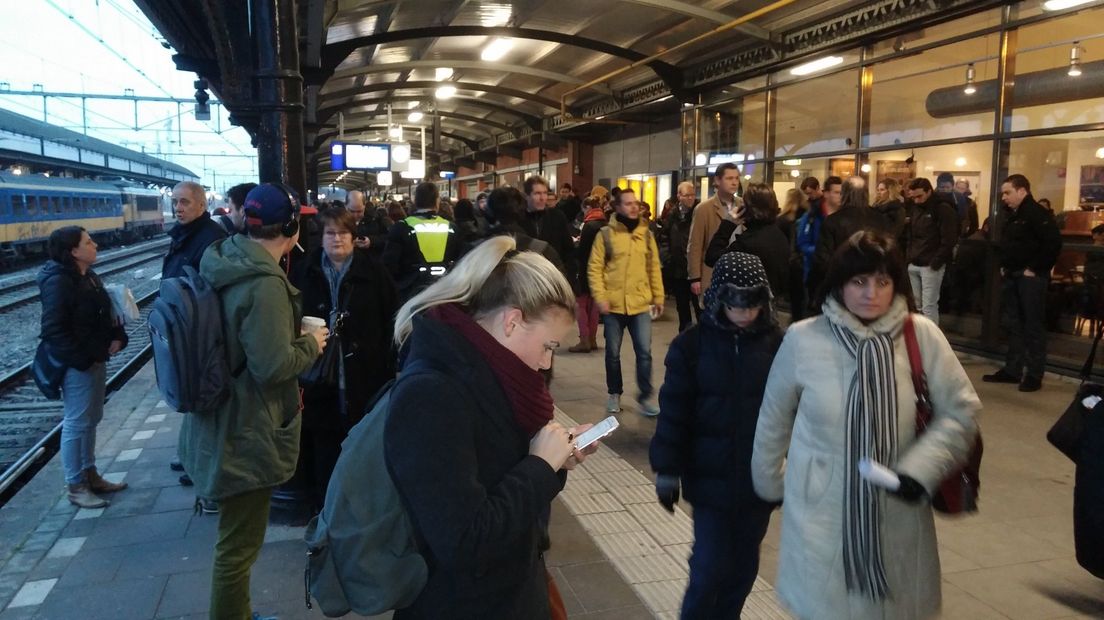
325	113
431	84
335	53
356	113
471	143
476	65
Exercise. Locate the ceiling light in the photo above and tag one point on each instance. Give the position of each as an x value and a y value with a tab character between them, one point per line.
395	132
442	73
1075	60
971	73
446	92
795	173
960	162
415	171
415	117
1058	5
1100	153
384	178
700	159
400	153
747	177
819	64
865	168
791	162
496	49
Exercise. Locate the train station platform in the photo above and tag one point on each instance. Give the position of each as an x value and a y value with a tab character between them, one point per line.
616	554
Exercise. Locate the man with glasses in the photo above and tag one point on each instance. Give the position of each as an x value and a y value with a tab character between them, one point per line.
932	233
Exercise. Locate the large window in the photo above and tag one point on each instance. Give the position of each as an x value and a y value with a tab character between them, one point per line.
735	127
817	115
923	97
1045	95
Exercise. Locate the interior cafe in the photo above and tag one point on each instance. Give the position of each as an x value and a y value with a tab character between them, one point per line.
1014	89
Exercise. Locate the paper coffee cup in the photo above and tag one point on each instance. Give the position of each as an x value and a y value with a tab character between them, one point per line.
312	324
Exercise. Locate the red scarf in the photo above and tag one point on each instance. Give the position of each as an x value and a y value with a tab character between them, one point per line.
524	387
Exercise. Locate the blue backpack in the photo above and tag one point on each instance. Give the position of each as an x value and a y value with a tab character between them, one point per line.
362	554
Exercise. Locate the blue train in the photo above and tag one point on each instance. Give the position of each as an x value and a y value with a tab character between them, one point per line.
33	206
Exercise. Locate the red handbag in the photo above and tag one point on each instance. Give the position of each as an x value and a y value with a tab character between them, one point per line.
958	493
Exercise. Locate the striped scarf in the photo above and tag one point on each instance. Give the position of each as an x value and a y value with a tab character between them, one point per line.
871	434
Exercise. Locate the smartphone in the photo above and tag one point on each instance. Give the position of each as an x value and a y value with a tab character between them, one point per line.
596	432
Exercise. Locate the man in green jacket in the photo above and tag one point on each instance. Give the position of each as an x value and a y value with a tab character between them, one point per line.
239	452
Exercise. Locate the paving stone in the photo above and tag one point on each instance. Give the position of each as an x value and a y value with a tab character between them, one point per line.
624	478
627	544
33	593
609	523
117	600
19	613
590	503
643	569
95	567
139	529
81	527
642	494
66	547
173	498
662	595
598	586
166	557
49	568
185	594
88	513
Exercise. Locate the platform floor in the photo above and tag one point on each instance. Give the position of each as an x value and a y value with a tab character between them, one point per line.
616	553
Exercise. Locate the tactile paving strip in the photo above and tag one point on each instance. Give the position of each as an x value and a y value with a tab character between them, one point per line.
648	546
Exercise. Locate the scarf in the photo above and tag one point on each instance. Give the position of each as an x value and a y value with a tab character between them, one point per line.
524	387
871	433
630	224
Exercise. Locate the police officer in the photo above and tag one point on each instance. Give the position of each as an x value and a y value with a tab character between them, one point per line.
422	247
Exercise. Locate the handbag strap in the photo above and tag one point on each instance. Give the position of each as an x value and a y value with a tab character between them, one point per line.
919	377
1086	370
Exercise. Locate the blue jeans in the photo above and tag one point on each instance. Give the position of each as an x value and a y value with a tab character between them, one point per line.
640	330
83	396
926	285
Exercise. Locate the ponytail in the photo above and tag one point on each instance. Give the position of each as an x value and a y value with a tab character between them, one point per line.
492	276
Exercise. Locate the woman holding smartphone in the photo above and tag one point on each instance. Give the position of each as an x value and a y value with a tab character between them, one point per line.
470	441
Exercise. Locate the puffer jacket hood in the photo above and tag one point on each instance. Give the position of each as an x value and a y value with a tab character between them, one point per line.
53	268
229	261
739	280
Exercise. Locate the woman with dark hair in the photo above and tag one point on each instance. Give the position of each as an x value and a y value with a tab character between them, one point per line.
754	231
395	211
79	331
466	224
354	294
840	392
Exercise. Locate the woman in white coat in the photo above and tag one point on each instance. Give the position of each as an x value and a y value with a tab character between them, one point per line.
840	390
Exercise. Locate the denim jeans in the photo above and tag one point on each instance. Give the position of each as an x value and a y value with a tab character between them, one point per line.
926	283
724	561
83	397
243	520
640	330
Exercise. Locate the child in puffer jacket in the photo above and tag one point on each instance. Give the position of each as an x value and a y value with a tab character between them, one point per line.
709	405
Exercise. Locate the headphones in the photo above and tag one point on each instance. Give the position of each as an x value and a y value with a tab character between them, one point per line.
291	226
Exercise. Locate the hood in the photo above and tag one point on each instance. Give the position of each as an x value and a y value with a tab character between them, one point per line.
738	279
53	268
231	260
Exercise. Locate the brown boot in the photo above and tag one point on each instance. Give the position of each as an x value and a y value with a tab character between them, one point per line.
582	347
99	485
593	343
81	495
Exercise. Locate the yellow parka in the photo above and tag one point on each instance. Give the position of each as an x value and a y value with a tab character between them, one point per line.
630	280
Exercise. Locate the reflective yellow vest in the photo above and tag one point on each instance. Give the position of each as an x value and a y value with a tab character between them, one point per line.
432	234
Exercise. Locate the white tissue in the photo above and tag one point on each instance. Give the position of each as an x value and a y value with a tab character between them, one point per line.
1090	401
879	475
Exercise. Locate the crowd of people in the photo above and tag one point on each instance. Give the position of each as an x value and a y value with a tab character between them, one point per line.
467	303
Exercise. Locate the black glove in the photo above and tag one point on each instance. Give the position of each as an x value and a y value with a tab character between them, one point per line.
667	490
910	490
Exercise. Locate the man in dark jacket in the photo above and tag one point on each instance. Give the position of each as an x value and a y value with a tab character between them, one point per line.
932	234
569	204
854	215
1028	248
250	444
234	222
371	226
505	212
548	225
676	236
194	230
421	248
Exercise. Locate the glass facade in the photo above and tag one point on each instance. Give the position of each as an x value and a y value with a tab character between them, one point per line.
932	102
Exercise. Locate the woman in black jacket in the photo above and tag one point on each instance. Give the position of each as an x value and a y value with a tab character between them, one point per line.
470	442
586	310
78	331
354	294
709	405
760	236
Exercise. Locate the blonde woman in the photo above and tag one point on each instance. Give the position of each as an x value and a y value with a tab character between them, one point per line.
888	202
470	441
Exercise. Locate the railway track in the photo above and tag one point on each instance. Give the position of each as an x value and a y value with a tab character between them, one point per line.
22	289
30	425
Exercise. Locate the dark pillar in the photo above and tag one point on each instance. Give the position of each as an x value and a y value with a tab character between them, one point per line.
279	92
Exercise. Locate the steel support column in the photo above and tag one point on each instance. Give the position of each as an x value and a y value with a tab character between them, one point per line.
279	94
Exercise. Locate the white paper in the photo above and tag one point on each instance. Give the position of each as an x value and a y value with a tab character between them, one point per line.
879	475
1090	401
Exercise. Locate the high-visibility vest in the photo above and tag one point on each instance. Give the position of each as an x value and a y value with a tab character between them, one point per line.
432	234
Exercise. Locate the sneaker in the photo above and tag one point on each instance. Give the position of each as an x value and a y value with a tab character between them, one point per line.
649	407
98	485
186	480
175	464
81	495
1031	384
209	506
1001	376
613	403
